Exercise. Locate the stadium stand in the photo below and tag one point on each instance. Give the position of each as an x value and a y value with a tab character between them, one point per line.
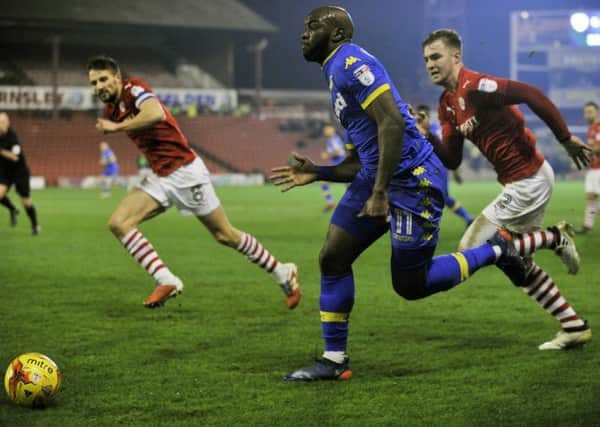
156	41
69	148
246	143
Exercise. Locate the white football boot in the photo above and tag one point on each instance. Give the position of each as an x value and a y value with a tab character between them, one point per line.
565	340
565	247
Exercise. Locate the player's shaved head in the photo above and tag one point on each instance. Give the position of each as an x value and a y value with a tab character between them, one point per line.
337	17
325	28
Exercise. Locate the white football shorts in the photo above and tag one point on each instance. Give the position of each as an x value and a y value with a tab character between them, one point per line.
188	188
592	181
521	205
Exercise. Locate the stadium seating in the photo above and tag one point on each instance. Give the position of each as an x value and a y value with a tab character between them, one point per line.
246	143
69	147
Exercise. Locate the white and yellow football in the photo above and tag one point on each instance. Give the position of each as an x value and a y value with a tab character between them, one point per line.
32	379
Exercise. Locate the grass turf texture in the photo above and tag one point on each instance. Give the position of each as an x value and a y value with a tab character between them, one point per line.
216	355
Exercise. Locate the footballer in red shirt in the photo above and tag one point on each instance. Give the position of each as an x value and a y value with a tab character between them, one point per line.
181	179
482	108
592	176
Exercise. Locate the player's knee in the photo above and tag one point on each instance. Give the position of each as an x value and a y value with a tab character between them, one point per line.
117	226
410	292
332	262
408	286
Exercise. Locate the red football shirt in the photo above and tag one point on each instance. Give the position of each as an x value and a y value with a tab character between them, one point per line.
498	130
594	141
163	144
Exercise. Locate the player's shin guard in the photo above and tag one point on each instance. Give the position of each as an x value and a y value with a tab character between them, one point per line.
527	243
541	288
143	252
447	271
32	214
337	299
5	201
255	252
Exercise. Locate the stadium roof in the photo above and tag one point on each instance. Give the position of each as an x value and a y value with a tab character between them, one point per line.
191	14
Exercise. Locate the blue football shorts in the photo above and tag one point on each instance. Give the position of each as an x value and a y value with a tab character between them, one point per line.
416	200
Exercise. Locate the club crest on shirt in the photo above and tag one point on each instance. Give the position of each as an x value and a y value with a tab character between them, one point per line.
330	82
364	75
461	103
487	85
122	107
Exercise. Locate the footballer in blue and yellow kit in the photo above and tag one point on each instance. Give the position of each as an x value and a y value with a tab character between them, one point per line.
416	190
393	172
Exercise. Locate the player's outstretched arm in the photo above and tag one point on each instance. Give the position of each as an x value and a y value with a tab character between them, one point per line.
302	171
578	151
517	92
345	171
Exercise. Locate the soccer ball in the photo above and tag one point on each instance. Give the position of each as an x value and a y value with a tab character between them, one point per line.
32	379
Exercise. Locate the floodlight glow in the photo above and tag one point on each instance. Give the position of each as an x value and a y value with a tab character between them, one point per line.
593	39
580	22
595	22
524	15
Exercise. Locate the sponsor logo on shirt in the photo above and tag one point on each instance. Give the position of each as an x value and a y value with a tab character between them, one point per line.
468	126
487	85
339	104
350	60
364	75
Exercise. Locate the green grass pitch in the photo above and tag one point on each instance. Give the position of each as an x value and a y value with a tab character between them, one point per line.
216	355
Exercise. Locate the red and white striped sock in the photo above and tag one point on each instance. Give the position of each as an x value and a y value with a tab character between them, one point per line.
528	243
540	287
258	254
143	252
590	214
